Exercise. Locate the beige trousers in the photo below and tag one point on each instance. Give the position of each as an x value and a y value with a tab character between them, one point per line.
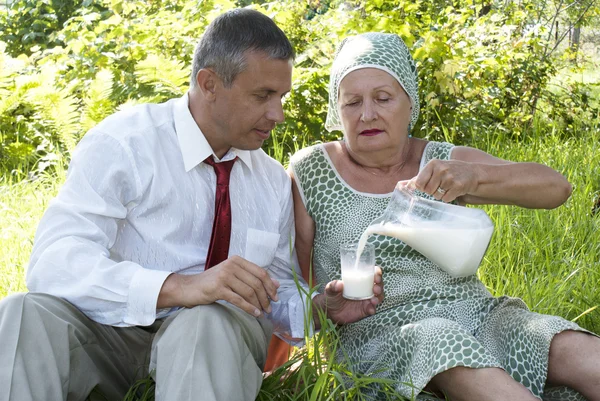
49	350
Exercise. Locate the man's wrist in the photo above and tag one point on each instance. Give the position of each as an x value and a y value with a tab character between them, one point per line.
170	292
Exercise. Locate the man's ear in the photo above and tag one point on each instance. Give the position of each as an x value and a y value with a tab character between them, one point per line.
206	82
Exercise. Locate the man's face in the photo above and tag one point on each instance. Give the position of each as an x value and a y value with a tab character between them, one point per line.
245	113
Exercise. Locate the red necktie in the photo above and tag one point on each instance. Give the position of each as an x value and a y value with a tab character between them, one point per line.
218	250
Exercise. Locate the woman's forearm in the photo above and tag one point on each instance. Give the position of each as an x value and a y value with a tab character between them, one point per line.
529	185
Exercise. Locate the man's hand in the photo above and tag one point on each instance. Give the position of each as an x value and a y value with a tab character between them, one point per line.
235	280
341	310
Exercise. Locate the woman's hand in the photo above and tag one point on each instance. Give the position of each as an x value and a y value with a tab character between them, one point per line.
446	180
341	310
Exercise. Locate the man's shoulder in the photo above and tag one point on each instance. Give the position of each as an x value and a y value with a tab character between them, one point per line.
267	163
137	120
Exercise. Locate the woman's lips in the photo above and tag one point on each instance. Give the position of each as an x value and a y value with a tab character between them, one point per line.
371	132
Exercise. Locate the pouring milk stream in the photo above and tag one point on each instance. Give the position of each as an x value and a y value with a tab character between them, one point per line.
453	237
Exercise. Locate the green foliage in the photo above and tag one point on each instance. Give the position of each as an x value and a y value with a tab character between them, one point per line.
34	115
475	71
107	56
576	100
481	67
30	24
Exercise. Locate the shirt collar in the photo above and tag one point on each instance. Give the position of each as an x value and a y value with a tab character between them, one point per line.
192	142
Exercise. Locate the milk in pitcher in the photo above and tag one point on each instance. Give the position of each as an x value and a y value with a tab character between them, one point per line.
453	237
456	250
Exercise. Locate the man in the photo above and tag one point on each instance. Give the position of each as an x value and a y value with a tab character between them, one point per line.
169	242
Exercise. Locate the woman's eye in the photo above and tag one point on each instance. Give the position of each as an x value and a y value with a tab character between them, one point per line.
383	99
353	103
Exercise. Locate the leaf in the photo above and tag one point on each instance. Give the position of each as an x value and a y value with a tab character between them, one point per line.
165	74
451	67
57	108
98	104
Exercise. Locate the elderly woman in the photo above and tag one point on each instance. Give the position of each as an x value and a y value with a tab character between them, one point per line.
431	332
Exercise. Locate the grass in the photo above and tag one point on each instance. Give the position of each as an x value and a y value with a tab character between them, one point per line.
586	73
21	206
550	258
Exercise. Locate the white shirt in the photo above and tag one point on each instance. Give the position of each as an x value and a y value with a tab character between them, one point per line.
138	204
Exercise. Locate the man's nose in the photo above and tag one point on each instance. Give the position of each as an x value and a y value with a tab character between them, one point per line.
275	111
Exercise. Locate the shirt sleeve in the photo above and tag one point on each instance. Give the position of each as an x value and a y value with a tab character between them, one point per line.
71	257
290	315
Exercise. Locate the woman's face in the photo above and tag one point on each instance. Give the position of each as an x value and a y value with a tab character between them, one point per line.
374	110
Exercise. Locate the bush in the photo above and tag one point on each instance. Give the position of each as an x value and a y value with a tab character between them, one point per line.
482	68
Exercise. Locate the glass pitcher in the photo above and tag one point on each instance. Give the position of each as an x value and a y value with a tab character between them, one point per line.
453	237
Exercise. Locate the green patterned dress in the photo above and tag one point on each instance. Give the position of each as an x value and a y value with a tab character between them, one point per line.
428	322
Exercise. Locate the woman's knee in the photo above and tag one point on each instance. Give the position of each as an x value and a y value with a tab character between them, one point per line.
491	383
572	345
444	381
573	355
460	374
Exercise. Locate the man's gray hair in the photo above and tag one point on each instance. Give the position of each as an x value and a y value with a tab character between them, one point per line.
227	39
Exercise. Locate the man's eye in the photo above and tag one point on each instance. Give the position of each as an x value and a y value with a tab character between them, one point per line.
261	97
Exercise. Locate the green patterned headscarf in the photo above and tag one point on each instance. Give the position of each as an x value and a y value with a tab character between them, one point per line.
383	51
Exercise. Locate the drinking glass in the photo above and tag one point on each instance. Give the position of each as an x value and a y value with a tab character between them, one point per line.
358	275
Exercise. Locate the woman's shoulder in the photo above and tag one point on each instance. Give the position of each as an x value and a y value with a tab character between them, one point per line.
437	150
321	154
306	153
314	160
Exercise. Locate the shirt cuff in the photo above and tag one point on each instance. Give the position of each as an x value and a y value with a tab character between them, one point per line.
143	296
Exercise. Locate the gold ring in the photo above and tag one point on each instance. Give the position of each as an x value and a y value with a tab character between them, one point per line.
441	190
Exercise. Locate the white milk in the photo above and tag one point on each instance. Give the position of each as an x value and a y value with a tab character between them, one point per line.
358	270
456	250
358	283
364	237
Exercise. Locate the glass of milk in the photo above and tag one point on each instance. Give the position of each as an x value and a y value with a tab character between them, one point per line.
358	271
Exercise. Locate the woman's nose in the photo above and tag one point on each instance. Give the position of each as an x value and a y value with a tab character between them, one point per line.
368	112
